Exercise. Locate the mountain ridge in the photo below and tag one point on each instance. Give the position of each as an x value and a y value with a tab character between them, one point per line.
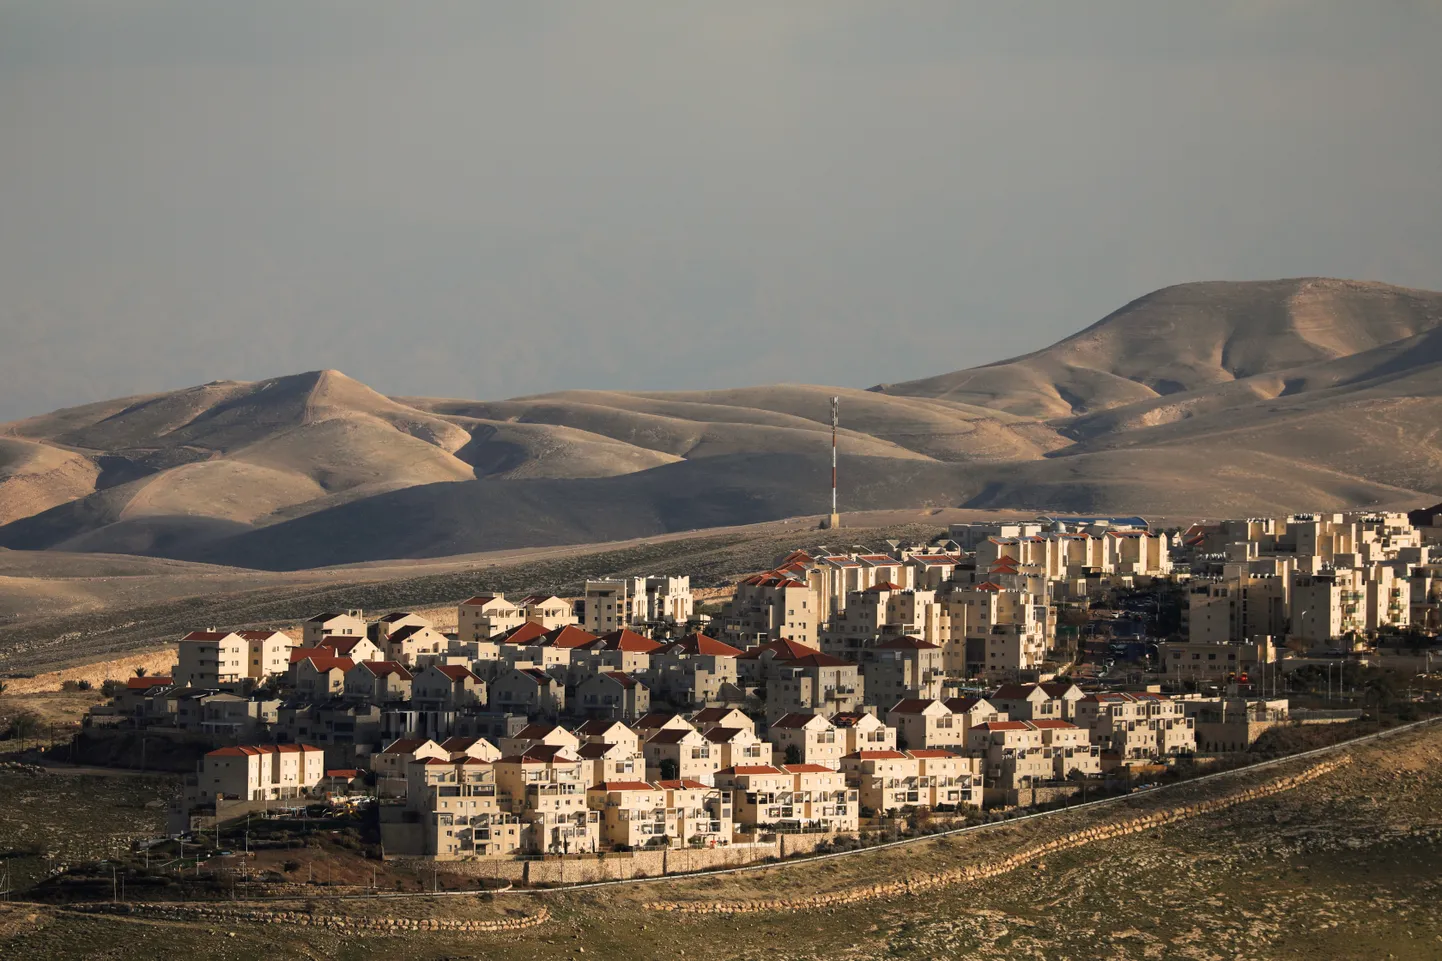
1210	397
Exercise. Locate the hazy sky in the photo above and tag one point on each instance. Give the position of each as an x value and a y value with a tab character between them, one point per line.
490	199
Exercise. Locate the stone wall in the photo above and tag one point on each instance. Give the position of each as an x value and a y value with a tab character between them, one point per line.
339	923
993	868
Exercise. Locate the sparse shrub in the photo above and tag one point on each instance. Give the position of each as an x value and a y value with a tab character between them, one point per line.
291	865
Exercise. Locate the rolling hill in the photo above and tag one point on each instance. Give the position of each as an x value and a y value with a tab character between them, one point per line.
1198	400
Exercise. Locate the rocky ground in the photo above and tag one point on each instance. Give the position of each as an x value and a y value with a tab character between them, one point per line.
1345	867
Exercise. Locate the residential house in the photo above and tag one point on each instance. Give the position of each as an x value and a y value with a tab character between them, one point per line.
342	623
529	691
611	694
805	738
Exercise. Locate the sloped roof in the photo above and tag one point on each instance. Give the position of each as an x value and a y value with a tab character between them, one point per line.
808	769
622	678
684	784
610	786
628	640
932	754
387	668
912	705
877	755
528	633
793	721
567	637
206	635
456	672
743	769
700	645
818	660
905	643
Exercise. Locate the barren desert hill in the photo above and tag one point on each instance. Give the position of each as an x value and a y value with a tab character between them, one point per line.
1203	399
1190	337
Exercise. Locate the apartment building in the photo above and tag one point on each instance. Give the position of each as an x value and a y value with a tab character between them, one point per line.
798	797
770	607
674	813
613	603
460	813
692	671
379	682
901	668
546	789
231	660
677	752
892	782
815	682
447	687
612	694
259	772
487	615
863	732
333	623
529	691
416	644
1136	727
806	738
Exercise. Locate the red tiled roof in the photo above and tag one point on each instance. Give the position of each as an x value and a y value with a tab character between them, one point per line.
596	726
622	678
1048	725
480	600
700	645
720	735
932	754
528	633
882	586
1004	726
260	635
609	786
387	668
877	755
205	635
628	640
744	769
912	705
346	772
146	683
808	769
685	784
567	637
818	660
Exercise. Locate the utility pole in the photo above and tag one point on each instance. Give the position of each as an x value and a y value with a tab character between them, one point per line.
835	519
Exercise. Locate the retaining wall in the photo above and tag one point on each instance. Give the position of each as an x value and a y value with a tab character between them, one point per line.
341	923
990	869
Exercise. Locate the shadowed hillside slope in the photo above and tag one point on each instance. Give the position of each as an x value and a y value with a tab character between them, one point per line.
1203	399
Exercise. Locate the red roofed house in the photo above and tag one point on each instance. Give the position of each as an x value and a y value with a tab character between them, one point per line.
231	660
814	683
675	813
378	682
317	673
612	694
447	687
693	670
356	648
889	782
343	623
674	752
771	607
486	615
863	732
259	772
529	691
902	667
798	796
802	737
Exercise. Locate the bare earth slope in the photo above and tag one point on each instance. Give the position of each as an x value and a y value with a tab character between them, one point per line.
1189	337
1202	399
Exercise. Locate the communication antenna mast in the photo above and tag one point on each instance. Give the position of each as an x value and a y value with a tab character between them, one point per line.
835	519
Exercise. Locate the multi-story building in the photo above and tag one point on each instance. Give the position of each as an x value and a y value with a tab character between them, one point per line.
890	782
674	813
612	694
258	772
1137	727
900	668
231	660
342	623
614	603
794	797
487	615
815	682
806	738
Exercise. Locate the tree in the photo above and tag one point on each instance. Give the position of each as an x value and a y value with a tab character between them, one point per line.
140	672
793	754
25	724
668	770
